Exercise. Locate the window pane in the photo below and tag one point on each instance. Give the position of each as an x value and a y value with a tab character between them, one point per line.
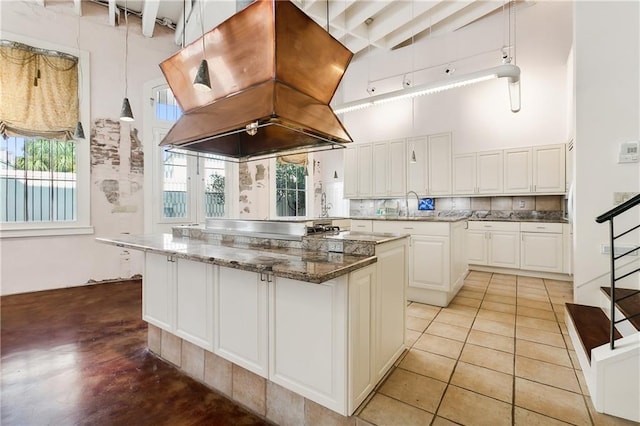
290	190
174	188
38	180
214	179
166	106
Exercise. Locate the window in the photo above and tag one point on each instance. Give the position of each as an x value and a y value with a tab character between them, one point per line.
291	189
38	180
189	187
44	175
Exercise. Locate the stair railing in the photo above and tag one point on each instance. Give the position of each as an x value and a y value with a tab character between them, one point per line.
610	217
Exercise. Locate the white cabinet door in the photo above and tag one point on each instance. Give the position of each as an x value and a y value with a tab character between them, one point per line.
541	252
241	318
308	341
504	249
429	262
365	170
158	290
390	301
518	171
567	250
351	172
439	169
489	172
397	171
549	169
380	158
464	174
194	302
361	298
477	247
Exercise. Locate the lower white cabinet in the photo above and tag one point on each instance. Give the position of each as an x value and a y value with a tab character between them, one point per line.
241	318
362	225
494	244
437	258
541	247
177	297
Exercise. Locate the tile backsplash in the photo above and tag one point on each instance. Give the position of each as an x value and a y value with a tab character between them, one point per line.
519	205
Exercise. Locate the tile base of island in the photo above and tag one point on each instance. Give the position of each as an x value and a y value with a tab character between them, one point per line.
262	339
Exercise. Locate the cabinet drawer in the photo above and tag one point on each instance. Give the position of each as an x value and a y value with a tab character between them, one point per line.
494	226
361	225
550	228
412	227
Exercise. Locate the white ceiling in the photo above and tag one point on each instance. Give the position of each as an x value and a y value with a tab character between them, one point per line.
383	24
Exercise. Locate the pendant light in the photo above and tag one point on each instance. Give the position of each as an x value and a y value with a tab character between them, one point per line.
202	82
79	132
125	112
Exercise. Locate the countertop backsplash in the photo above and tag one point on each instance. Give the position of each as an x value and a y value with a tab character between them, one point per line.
542	207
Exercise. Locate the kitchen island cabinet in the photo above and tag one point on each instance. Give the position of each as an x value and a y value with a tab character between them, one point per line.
327	326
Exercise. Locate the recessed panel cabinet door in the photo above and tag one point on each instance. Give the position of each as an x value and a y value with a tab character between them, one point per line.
477	247
365	167
504	249
380	153
241	318
429	262
489	172
397	171
351	172
518	171
541	252
158	291
464	174
548	171
440	164
194	302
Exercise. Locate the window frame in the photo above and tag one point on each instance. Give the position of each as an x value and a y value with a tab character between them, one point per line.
82	224
309	190
154	219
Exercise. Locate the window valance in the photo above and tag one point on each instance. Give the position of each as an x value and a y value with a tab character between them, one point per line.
297	159
38	92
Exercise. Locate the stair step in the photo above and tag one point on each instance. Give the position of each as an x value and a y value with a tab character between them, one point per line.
592	326
629	306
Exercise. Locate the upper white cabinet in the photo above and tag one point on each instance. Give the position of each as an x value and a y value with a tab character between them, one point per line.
549	169
430	173
478	173
536	170
389	168
358	171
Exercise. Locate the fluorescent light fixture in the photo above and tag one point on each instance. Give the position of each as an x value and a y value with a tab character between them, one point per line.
512	72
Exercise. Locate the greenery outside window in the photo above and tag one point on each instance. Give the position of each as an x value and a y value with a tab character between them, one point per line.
291	188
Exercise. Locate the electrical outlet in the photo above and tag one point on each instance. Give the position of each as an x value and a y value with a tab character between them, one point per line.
335	246
521	204
185	233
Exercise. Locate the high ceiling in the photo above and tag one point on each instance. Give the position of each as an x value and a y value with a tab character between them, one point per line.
384	24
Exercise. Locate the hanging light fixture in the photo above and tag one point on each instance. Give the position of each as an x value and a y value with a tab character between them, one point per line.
125	111
509	71
202	82
79	132
335	174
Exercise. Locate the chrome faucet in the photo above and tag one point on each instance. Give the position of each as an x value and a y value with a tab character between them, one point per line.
324	206
406	201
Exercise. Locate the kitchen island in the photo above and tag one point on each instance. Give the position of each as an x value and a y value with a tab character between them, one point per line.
323	318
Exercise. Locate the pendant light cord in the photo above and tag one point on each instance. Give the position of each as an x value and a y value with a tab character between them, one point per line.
126	48
202	28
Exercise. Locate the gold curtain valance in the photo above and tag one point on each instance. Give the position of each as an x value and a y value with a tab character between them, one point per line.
38	92
297	159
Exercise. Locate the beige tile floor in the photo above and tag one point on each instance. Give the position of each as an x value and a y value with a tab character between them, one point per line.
499	354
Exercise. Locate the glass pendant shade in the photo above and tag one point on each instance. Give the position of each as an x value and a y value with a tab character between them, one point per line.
79	133
125	112
413	157
202	82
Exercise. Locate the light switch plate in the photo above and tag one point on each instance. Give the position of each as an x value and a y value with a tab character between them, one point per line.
621	197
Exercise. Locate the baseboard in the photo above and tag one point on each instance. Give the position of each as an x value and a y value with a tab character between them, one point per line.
522	272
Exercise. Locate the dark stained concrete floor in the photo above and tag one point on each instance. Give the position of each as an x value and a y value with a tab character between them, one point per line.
78	356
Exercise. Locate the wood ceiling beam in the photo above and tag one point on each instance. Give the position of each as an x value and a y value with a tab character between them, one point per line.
149	15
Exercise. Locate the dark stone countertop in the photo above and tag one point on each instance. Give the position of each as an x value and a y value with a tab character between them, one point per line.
296	263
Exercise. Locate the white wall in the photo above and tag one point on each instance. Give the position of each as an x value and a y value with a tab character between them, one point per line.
478	116
31	264
607	55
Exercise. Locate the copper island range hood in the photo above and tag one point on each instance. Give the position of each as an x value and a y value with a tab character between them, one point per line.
273	73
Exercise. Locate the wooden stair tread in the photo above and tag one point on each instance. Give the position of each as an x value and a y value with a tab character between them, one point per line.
629	306
592	326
